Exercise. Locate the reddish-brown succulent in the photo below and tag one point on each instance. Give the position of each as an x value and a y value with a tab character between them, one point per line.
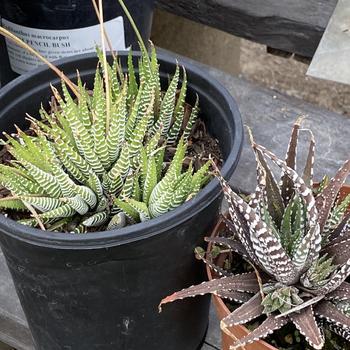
298	241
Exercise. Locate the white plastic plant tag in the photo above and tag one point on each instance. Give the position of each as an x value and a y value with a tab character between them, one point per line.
55	44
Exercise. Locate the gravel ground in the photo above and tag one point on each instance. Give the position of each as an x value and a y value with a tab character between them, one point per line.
289	76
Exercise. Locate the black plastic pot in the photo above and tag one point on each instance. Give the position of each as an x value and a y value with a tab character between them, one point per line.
59	15
101	290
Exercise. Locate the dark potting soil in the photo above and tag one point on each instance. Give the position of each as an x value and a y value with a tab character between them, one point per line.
201	147
288	337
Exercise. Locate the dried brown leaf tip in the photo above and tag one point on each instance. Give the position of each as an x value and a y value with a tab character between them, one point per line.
297	238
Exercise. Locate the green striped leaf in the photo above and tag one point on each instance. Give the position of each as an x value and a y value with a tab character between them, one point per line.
200	178
12	203
96	220
191	120
171	175
116	133
141	209
78	204
179	113
167	106
120	169
44	204
129	211
150	179
133	87
61	212
136	141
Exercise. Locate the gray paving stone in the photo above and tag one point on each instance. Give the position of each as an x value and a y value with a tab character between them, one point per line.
13	325
270	116
213	338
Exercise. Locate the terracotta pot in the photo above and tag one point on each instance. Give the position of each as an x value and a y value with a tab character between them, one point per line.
220	306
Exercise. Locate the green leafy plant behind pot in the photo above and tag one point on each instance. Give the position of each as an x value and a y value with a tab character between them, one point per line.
99	157
297	241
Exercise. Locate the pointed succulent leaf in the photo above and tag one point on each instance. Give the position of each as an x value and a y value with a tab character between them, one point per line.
333	316
44	179
340	251
136	141
127	209
274	198
249	311
43	204
309	166
266	245
119	170
132	88
17	182
182	189
336	217
179	112
83	103
167	106
116	132
310	246
241	283
199	178
306	323
95	184
238	297
128	186
134	113
342	230
141	209
326	199
336	280
150	179
12	203
96	220
173	172
287	186
78	204
63	211
341	293
193	117
266	328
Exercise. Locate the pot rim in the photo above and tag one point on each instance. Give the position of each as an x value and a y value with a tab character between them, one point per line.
141	230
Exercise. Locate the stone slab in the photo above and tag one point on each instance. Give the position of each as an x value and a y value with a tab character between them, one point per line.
331	60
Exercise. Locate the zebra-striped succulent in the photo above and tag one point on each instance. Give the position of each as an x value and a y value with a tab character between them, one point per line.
100	159
297	240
